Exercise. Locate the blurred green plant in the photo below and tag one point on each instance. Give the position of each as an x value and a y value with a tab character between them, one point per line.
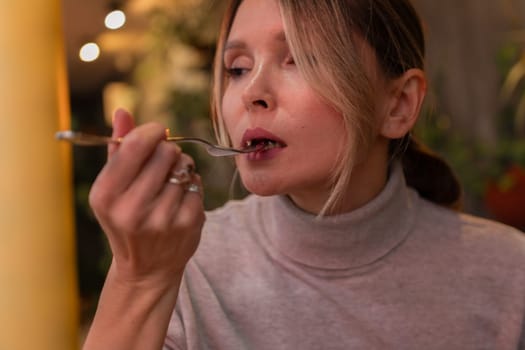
513	91
510	150
478	163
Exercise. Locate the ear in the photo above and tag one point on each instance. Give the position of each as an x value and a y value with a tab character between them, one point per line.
404	104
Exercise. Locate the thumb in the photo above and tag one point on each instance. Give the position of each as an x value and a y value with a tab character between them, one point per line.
123	123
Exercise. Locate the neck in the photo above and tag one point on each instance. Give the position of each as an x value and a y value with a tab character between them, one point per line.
367	180
349	240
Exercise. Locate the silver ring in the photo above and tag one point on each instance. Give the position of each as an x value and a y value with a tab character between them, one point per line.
174	180
193	188
181	176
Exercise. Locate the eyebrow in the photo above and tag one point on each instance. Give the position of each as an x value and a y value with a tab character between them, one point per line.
239	44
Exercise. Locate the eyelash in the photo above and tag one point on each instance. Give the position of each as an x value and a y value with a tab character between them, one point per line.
235	72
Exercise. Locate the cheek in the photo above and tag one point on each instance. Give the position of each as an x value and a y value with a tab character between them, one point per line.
321	140
328	127
228	112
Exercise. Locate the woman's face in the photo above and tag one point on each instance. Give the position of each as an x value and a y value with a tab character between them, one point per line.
267	101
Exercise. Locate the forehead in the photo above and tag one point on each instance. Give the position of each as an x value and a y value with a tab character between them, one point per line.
256	17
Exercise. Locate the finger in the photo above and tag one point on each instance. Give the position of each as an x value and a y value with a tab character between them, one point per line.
191	209
169	199
154	175
134	152
137	205
182	172
181	175
122	124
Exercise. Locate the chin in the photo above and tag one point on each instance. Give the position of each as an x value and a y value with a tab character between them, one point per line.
260	186
263	193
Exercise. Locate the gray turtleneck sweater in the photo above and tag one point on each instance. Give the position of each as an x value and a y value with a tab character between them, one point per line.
398	273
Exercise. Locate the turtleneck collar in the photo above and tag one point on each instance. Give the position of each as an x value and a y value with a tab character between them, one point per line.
349	240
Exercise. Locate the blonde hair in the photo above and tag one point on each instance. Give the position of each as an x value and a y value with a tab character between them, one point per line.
326	39
327	53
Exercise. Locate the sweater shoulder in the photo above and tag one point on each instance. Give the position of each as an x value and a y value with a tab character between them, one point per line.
473	233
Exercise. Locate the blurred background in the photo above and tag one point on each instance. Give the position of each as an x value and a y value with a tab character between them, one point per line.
154	58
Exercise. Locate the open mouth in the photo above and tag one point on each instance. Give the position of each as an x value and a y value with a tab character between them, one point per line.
262	144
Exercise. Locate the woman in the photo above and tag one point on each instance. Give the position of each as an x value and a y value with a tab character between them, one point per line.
349	240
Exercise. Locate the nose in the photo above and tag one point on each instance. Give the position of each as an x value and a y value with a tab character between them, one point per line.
258	93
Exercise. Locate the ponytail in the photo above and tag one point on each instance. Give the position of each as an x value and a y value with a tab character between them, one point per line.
428	173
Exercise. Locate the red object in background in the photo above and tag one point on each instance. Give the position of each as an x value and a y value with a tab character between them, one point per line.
505	198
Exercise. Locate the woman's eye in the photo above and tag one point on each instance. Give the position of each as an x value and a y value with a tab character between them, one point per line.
235	72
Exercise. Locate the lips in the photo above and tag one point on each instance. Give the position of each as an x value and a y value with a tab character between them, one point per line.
262	139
